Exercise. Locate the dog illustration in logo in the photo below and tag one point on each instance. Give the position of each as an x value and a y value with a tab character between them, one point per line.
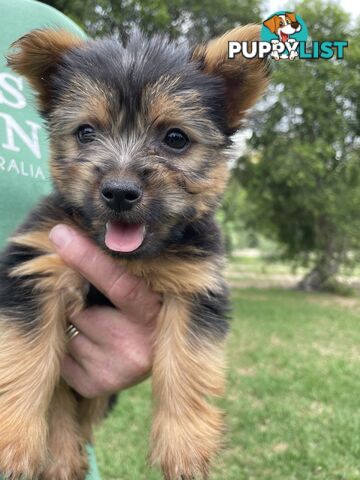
283	26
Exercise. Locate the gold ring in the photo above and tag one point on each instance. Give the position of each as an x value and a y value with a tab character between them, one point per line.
71	332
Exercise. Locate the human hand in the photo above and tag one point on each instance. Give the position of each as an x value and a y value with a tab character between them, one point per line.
114	347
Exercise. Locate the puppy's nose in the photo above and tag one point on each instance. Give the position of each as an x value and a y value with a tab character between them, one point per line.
295	24
121	195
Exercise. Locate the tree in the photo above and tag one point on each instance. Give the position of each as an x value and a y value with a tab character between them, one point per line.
197	20
302	170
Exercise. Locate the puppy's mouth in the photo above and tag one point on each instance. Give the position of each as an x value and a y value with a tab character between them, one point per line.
124	237
284	36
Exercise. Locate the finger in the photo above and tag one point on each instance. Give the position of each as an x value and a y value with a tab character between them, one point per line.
102	271
77	377
82	349
100	324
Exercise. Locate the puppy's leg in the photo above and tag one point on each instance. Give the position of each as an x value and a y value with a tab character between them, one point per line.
29	369
71	422
67	456
188	370
91	411
32	343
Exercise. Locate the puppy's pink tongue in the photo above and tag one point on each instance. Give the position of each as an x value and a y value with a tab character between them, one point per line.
124	237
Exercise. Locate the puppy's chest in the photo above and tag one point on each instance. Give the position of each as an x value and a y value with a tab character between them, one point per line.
176	276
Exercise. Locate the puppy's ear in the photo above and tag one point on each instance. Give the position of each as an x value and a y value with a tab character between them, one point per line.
270	23
245	79
292	16
36	54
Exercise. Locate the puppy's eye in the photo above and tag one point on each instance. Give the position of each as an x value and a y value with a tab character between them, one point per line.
85	133
176	139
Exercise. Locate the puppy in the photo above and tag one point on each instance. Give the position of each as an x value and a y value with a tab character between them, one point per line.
283	25
138	139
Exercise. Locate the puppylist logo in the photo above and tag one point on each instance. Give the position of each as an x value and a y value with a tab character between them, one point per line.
284	35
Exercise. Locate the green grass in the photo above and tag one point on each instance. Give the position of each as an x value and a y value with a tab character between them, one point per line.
293	395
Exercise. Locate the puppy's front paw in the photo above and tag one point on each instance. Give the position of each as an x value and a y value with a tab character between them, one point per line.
275	56
181	461
184	448
23	454
293	55
74	467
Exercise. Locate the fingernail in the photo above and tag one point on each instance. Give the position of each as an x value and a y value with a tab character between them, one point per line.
61	235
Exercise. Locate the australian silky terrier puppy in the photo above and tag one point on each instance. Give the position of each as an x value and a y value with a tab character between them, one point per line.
138	136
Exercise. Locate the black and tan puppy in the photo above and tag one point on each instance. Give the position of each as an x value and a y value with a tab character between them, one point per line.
138	160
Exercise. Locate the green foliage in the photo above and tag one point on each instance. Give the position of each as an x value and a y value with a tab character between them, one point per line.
231	217
302	171
194	19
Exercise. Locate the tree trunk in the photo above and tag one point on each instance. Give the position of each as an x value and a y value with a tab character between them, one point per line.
322	276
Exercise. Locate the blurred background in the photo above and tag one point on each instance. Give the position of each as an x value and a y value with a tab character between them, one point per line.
291	218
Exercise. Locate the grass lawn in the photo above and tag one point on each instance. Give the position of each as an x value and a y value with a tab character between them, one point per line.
293	395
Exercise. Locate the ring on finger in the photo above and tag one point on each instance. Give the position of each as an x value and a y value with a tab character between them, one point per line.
71	332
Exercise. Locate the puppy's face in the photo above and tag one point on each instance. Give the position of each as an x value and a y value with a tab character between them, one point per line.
137	146
283	25
138	134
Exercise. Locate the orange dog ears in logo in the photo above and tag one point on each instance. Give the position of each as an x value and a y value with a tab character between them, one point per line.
276	21
292	16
